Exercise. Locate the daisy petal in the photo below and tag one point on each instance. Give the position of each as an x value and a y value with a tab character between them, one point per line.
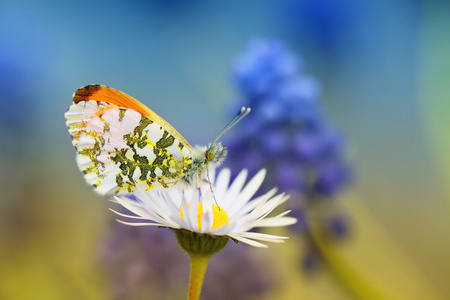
248	241
138	224
197	210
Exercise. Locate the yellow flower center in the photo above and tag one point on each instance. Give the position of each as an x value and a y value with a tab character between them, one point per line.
219	214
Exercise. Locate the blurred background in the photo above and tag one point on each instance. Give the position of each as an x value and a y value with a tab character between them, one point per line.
383	68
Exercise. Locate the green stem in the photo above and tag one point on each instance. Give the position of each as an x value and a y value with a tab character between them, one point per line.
199	263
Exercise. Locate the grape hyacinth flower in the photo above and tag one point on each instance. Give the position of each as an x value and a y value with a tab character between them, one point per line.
204	220
288	133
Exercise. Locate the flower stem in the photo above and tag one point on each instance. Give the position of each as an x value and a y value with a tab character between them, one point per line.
199	263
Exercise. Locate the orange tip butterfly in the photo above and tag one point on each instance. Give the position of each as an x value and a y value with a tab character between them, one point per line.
122	145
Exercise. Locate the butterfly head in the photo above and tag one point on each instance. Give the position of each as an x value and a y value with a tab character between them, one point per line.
215	154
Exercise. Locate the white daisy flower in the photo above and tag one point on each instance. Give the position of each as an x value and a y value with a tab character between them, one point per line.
228	212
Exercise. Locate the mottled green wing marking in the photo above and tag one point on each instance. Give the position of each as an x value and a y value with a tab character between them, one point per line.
119	150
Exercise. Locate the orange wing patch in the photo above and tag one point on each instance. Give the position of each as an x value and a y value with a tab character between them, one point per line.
96	92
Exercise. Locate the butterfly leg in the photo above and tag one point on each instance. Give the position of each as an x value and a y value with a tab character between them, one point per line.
211	187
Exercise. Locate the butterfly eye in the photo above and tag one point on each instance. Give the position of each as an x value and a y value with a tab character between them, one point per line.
210	154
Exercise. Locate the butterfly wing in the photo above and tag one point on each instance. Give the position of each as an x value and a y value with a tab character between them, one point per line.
121	144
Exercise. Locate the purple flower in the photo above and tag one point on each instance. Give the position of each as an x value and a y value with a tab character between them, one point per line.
306	147
144	260
331	178
288	133
273	143
338	225
287	129
247	281
288	176
263	68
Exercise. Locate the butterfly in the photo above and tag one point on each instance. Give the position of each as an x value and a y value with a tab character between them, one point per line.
122	145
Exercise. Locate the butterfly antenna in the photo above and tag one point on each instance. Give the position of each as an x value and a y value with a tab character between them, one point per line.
241	114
